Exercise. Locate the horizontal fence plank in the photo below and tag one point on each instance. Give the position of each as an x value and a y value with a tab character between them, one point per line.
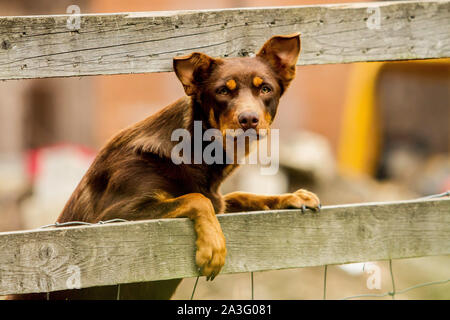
51	259
48	46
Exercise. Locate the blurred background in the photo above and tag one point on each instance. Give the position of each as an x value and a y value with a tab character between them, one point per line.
350	133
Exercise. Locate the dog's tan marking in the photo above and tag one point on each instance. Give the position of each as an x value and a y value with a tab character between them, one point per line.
268	118
231	84
257	81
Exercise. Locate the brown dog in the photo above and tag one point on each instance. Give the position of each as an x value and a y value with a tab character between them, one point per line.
134	178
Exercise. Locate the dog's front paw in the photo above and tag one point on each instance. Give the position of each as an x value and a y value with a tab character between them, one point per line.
300	199
211	251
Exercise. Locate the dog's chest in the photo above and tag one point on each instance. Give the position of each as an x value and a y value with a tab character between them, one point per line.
200	179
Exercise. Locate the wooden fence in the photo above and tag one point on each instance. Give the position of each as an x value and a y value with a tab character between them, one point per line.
43	46
46	260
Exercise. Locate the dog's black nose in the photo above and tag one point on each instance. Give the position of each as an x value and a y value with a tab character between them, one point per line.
248	120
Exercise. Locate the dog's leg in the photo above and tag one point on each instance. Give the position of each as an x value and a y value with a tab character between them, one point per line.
243	201
210	255
211	249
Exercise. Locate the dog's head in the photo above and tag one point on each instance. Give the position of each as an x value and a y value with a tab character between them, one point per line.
240	93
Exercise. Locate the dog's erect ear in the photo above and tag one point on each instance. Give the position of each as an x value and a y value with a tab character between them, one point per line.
192	69
281	52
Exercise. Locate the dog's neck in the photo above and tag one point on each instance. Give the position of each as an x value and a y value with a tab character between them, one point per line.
153	135
217	171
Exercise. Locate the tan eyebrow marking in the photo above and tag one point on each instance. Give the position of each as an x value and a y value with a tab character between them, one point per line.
231	84
257	81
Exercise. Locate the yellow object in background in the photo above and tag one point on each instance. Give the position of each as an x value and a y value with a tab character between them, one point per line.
360	142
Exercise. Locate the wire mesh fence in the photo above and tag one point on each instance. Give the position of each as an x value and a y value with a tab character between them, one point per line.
393	293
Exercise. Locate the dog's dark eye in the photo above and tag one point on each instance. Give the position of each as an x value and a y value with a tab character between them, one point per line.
223	91
266	89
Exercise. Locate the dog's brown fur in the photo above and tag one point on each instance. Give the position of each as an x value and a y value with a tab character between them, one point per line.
134	178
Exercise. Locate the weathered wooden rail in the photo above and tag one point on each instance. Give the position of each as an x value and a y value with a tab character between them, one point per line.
44	46
51	259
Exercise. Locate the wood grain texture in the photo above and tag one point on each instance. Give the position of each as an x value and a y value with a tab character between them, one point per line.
43	46
49	259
